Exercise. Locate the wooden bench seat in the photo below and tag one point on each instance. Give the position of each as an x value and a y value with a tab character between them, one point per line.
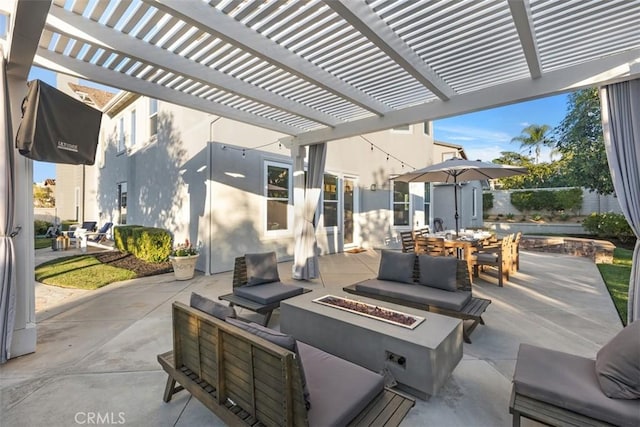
248	381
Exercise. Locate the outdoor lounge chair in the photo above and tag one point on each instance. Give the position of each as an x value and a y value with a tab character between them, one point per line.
257	286
87	226
101	234
561	389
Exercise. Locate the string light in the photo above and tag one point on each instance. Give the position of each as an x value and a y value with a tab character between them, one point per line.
389	155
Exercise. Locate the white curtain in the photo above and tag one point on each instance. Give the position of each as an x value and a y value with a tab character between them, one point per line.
621	126
305	261
7	257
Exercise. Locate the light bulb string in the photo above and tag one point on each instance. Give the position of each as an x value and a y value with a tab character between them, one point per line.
389	155
245	150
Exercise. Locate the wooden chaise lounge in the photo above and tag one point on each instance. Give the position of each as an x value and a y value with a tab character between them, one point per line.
246	379
265	298
460	303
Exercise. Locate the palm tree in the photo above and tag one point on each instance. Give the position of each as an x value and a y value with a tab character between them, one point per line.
534	137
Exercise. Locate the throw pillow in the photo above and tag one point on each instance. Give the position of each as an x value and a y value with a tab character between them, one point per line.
396	266
211	307
618	364
283	340
438	272
261	268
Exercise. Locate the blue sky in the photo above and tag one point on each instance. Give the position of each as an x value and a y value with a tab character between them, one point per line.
483	134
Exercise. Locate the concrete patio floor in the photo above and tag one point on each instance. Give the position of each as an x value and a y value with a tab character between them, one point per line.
97	350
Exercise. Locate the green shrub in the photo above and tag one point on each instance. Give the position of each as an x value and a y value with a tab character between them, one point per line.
68	223
564	216
536	217
487	201
40	226
546	200
608	225
569	200
145	243
510	215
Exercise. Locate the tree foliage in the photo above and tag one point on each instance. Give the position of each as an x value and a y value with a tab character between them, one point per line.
580	140
535	137
540	175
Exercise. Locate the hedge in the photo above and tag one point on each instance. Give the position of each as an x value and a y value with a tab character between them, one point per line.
145	243
608	225
537	200
487	201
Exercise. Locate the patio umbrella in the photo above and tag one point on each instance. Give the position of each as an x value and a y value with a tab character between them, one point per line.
457	170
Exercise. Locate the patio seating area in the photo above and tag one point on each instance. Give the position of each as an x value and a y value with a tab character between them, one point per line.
93	346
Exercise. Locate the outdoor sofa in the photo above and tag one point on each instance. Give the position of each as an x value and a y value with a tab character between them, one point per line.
248	374
438	284
562	389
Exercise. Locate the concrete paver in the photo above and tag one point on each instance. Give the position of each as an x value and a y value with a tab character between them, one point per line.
97	349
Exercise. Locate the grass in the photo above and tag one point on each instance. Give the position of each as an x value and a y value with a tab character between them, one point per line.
80	272
42	242
616	277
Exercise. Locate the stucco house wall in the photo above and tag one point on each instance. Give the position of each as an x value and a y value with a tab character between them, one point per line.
204	178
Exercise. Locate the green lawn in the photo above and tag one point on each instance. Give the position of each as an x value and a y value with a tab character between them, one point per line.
42	242
616	277
81	272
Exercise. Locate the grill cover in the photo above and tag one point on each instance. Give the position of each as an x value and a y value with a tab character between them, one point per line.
57	128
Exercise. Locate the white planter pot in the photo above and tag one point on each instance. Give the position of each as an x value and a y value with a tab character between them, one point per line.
184	266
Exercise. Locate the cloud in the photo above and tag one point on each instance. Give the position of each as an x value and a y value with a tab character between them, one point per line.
485	153
524	124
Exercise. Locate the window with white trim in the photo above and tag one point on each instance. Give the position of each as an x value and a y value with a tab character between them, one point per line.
121	136
426	128
401	203
330	200
153	118
132	132
427	202
474	203
278	196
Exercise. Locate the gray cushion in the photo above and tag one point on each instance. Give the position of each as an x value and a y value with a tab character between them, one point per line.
211	307
396	266
438	272
267	293
618	364
340	390
569	381
261	268
278	338
416	294
487	257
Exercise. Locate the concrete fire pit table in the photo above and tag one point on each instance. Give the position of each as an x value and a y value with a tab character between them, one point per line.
420	359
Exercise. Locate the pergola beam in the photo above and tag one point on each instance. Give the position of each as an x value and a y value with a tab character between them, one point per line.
85	70
368	23
210	20
25	28
521	14
82	29
610	69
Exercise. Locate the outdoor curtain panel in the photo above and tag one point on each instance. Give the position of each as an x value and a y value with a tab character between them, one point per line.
57	128
621	126
305	259
7	256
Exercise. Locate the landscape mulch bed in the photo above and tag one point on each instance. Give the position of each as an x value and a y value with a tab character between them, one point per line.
129	262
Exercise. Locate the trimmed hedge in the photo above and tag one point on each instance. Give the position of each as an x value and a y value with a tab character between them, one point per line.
537	200
487	201
146	243
40	226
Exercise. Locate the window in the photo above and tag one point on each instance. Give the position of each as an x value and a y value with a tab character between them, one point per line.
132	138
427	202
401	199
401	129
121	135
278	192
153	117
330	204
474	203
449	155
426	128
122	203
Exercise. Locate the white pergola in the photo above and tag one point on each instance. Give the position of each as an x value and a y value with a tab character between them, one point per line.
317	70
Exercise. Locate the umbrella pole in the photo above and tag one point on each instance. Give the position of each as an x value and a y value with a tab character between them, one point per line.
455	200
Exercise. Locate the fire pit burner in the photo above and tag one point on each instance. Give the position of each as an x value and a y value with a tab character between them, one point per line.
376	312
